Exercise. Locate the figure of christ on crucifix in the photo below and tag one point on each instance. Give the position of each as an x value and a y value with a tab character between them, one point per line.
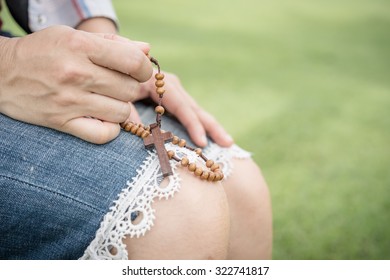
157	139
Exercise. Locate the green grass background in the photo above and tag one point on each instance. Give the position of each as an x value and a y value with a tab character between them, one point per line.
305	86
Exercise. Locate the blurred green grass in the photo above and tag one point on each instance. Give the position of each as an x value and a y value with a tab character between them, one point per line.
305	86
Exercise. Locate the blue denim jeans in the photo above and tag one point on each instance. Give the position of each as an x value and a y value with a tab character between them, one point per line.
55	188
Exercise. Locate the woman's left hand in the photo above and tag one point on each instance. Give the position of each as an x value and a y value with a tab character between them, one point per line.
178	102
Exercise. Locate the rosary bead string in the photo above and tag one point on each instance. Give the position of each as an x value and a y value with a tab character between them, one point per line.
213	174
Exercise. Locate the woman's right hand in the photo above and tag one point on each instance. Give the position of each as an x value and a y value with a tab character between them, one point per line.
72	81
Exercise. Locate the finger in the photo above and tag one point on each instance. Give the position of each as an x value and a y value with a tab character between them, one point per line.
127	58
216	132
145	47
103	108
113	84
187	113
191	122
213	128
134	116
175	101
92	130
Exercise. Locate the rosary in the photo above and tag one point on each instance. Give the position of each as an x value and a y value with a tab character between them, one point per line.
153	136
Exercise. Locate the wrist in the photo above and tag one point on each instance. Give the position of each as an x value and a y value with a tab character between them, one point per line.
6	50
98	25
6	57
7	53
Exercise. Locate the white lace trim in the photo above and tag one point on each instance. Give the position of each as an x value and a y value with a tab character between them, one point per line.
139	195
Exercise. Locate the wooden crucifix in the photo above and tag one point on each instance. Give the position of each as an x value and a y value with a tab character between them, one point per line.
157	139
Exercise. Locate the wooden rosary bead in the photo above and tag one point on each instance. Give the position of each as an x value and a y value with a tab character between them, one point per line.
211	176
222	176
198	171
205	175
159	110
185	161
209	163
159	76
159	83
214	167
171	154
128	126
182	143
139	131
217	177
192	167
160	91
145	134
134	129
175	140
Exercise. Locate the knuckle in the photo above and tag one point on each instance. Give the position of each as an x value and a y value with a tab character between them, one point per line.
124	112
111	36
66	100
68	73
139	66
137	62
128	89
71	73
77	41
136	90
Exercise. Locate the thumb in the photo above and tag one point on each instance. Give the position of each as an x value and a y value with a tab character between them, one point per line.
92	130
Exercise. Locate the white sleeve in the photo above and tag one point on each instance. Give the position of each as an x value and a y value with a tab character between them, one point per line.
45	13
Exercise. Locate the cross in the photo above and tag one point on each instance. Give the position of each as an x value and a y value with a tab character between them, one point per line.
157	139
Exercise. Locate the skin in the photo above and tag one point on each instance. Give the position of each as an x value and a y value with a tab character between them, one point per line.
72	75
250	211
84	83
228	220
238	219
178	102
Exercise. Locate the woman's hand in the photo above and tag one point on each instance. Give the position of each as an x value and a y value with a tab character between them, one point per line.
72	81
178	102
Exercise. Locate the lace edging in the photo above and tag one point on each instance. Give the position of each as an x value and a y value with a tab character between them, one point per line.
138	195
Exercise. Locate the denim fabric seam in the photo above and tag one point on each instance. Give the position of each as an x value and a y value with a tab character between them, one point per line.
50	191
